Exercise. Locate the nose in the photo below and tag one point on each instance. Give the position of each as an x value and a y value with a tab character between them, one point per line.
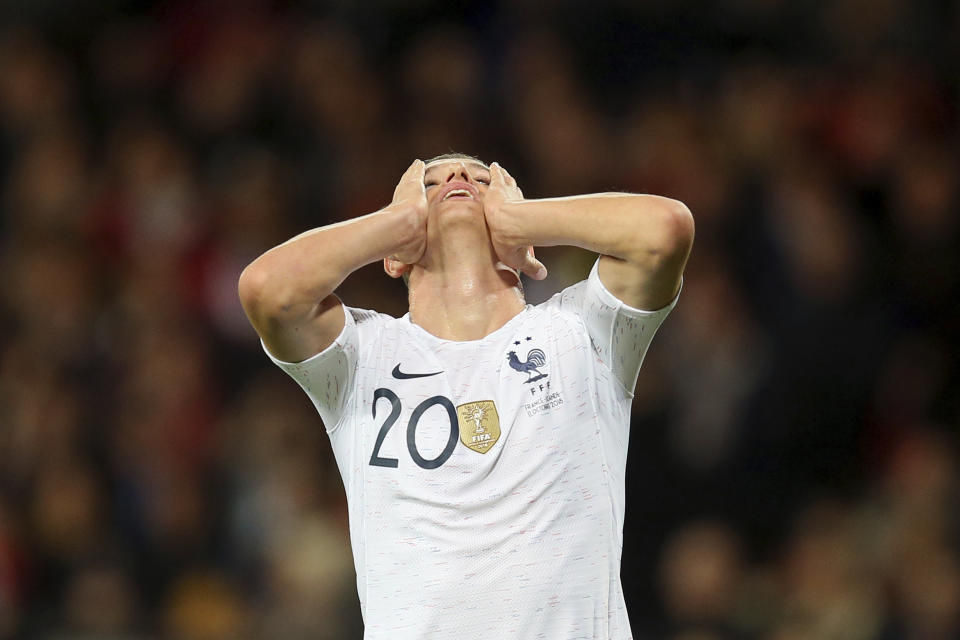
458	172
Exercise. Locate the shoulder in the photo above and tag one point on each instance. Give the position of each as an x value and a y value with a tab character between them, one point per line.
360	328
367	325
368	316
565	309
571	301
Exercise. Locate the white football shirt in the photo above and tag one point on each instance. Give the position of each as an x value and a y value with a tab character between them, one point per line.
485	479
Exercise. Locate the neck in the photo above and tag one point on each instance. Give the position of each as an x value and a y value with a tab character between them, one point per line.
464	297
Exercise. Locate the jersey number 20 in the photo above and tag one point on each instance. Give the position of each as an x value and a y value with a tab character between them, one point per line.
377	461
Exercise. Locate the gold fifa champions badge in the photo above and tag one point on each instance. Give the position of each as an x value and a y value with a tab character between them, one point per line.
479	425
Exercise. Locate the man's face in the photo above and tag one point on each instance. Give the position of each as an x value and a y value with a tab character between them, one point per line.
455	190
456	184
459	186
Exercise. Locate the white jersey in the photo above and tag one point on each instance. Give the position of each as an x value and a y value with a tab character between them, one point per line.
485	479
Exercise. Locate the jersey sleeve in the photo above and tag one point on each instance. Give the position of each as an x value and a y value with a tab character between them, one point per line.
619	333
328	377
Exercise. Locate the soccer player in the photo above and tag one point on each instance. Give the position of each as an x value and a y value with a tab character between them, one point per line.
482	441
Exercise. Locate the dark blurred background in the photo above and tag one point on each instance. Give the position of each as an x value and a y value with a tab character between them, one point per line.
793	459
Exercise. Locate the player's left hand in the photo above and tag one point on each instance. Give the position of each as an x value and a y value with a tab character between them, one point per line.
503	190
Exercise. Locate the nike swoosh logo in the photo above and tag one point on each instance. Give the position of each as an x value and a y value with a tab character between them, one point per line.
406	376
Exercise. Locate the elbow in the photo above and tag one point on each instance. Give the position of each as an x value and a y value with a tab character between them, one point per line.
272	296
264	298
678	229
252	288
664	233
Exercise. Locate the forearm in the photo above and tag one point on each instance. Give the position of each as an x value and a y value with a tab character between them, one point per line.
629	227
296	275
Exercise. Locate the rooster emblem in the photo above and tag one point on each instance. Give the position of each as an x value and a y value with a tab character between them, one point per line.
535	358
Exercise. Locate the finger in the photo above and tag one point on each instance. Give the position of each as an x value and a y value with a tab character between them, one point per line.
495	175
511	182
509	179
416	167
409	175
533	267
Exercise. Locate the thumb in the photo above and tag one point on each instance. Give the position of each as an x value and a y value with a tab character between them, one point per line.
533	267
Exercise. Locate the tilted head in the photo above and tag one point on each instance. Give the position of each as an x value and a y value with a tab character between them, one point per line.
455	185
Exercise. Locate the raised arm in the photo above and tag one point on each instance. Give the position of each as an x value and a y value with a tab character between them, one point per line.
644	240
287	291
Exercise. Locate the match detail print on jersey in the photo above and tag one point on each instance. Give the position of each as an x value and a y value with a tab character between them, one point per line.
536	360
479	425
542	399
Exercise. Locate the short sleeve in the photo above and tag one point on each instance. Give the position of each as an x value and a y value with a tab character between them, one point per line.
619	333
328	377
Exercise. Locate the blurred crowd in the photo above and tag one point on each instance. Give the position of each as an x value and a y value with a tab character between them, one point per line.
793	470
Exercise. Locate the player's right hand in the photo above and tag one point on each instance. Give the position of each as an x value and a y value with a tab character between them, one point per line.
410	199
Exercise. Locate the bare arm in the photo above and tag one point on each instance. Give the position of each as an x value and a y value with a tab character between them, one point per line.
644	240
287	292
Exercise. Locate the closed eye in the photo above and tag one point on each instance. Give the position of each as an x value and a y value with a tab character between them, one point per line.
432	183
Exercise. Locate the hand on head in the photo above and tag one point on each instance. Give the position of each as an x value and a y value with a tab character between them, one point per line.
504	233
411	196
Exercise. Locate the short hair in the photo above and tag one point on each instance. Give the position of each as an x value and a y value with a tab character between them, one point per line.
455	155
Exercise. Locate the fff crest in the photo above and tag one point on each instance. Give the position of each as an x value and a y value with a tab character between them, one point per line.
479	425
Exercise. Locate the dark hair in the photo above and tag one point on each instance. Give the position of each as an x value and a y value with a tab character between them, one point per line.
454	155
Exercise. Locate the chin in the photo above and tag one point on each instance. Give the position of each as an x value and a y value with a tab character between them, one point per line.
466	213
460	227
460	204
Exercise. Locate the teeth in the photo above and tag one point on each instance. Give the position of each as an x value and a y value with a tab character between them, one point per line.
458	192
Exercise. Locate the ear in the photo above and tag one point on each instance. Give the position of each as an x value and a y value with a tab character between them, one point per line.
395	268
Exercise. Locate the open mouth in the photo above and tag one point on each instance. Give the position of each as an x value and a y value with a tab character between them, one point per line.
458	193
